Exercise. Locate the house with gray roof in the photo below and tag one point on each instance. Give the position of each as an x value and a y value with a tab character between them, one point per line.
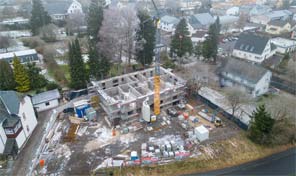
200	21
17	121
253	47
46	100
59	10
277	27
168	23
252	78
273	15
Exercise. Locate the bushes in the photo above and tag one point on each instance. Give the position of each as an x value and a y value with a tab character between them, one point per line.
35	43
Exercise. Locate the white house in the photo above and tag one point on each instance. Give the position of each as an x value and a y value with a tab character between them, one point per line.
277	27
252	47
46	100
198	37
18	121
61	9
252	78
25	56
168	23
284	45
233	11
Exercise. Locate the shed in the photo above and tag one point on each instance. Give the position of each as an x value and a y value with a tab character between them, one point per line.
46	100
202	133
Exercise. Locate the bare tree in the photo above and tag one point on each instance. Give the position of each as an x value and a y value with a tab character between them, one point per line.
74	22
49	33
242	20
117	32
236	98
5	42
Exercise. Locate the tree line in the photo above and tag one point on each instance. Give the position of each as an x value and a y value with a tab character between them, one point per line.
22	78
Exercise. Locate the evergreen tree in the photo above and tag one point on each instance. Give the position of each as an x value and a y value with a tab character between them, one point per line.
21	76
39	17
6	76
261	126
181	42
210	45
77	69
99	65
37	81
95	17
145	36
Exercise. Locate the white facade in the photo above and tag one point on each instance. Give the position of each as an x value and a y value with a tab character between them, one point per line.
46	105
260	88
21	139
233	11
258	58
262	85
27	116
284	45
3	139
75	7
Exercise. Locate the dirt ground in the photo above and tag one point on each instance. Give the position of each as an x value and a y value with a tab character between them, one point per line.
93	139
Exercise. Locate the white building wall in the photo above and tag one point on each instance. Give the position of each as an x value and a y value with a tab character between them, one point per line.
167	27
20	139
75	7
43	107
248	56
28	117
3	139
263	85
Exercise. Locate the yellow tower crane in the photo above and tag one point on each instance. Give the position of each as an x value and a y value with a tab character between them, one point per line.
157	67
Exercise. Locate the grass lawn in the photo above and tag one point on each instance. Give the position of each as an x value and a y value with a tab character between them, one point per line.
65	68
227	153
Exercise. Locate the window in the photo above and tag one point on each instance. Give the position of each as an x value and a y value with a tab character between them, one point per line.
28	129
9	131
47	104
24	116
115	81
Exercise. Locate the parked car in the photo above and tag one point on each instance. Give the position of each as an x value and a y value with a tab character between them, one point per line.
68	110
172	111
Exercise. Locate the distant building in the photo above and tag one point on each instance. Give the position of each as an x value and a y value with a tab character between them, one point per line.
25	56
234	11
252	47
15	21
253	78
284	45
59	10
168	23
200	21
277	27
293	34
46	100
17	121
259	10
188	6
199	37
270	16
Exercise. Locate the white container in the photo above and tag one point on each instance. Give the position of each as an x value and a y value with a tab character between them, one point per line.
146	111
151	149
202	133
144	146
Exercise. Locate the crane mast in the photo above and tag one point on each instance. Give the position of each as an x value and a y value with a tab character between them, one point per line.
157	67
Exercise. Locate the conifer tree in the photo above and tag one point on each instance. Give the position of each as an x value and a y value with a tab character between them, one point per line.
21	76
6	76
94	20
39	17
99	65
77	69
145	36
181	42
210	45
261	126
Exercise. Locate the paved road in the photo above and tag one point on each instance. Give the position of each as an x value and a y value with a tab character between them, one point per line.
283	163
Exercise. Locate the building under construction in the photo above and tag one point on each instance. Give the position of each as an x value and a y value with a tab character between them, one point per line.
122	97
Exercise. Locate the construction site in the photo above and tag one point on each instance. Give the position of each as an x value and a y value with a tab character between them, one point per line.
122	97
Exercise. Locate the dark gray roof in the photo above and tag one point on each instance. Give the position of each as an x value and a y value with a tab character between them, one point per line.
245	70
11	101
59	7
279	23
201	20
252	43
11	121
10	145
3	112
46	96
